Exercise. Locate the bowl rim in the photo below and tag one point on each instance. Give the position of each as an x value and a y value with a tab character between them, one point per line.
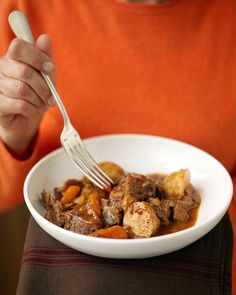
191	230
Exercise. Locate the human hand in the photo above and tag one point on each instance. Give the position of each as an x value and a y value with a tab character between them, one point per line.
24	95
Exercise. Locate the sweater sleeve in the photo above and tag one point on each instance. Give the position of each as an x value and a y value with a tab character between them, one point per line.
13	171
12	175
10	169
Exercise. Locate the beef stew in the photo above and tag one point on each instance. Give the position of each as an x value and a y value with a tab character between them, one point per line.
138	206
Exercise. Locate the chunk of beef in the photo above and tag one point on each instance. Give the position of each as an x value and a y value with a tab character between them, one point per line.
117	194
84	224
158	179
141	220
54	209
196	197
192	193
85	218
111	214
139	187
162	209
182	207
189	190
180	213
132	187
187	202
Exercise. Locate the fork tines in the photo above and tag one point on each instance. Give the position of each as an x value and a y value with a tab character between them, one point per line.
87	164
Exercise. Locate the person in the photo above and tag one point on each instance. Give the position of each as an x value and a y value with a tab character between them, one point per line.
155	67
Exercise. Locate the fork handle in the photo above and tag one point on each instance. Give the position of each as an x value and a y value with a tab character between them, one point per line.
20	27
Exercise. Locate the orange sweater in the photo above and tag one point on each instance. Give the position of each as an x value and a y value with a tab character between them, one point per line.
166	69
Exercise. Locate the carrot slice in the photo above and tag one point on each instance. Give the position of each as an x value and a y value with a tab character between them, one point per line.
70	194
93	205
113	232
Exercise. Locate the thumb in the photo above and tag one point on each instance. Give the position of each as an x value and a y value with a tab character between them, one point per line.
44	44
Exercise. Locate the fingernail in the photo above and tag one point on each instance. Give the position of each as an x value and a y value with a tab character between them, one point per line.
51	101
48	66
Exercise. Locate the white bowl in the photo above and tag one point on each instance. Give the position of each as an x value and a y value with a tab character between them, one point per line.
141	154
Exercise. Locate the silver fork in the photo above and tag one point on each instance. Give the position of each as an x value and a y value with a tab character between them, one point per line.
70	138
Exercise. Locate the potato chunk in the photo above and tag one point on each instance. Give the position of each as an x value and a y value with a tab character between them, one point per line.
141	219
175	184
112	170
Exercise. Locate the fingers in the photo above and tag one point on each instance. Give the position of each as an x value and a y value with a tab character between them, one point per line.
44	44
6	120
22	87
23	63
23	73
19	90
31	55
11	106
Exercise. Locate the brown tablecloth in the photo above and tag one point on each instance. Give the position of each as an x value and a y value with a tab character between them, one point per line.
50	268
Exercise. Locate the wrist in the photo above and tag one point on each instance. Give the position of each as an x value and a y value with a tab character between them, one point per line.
19	146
